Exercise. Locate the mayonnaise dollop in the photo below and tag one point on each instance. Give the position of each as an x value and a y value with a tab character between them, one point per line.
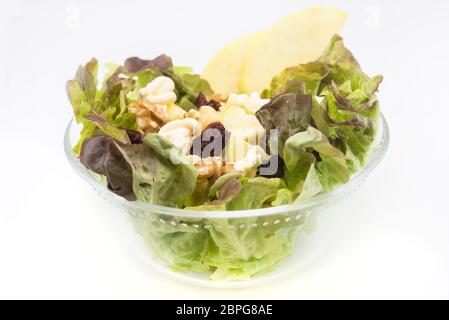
181	133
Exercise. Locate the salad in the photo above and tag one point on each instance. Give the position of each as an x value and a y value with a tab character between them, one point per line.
158	133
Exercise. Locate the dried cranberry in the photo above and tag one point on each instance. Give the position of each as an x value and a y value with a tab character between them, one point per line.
211	141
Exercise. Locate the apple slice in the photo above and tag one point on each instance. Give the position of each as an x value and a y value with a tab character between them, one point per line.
175	112
298	38
242	124
236	149
224	69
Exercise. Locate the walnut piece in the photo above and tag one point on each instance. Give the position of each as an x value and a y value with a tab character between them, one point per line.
218	97
192	113
213	167
146	119
205	115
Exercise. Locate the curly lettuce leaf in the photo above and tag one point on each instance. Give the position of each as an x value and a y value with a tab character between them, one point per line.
344	104
112	101
287	113
102	155
187	84
82	89
135	64
342	64
144	71
81	92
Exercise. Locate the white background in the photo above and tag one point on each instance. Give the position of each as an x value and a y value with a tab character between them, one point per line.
59	240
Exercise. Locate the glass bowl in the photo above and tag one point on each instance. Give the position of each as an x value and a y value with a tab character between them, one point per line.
169	239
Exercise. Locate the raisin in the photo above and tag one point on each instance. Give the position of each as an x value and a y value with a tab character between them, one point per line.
134	136
201	100
211	141
214	104
317	155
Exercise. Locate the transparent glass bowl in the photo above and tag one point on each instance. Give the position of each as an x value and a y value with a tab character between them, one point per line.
309	226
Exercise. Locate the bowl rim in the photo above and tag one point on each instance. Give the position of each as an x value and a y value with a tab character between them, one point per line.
377	152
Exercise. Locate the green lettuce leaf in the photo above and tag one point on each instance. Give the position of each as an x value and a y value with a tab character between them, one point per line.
159	177
200	194
238	253
311	74
182	247
221	181
109	128
231	249
283	197
349	106
235	192
308	155
230	190
188	87
109	102
255	193
311	185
